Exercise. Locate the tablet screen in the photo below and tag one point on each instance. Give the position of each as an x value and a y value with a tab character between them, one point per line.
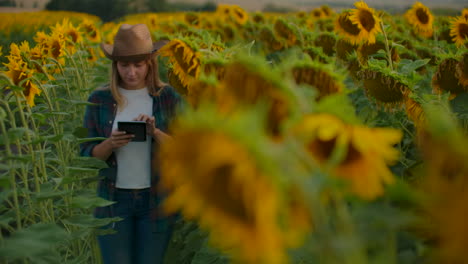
137	128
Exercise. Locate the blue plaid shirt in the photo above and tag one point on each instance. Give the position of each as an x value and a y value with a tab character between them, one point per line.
99	119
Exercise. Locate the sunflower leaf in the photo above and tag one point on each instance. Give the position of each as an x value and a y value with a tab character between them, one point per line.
406	67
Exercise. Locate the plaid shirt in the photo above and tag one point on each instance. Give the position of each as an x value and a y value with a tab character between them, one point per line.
99	119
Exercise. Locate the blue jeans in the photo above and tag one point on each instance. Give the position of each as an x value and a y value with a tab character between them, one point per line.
138	239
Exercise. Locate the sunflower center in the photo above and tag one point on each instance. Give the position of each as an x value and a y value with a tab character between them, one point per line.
323	149
348	26
463	30
422	16
224	193
56	49
352	155
73	35
367	20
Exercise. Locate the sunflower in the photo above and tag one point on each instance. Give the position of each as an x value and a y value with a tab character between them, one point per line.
249	81
184	59
228	183
338	147
327	42
420	17
70	32
344	49
459	31
175	82
367	21
386	88
465	13
365	51
216	67
414	111
462	70
284	31
317	13
232	13
443	181
269	39
445	79
56	44
91	55
326	10
345	27
91	31
316	54
318	75
1	51
258	18
239	15
20	73
192	19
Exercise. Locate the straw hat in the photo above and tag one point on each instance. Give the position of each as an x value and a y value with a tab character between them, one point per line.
132	43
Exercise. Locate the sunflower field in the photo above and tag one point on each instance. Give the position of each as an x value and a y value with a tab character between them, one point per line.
323	136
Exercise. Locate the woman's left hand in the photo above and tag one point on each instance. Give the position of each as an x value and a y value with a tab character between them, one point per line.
150	123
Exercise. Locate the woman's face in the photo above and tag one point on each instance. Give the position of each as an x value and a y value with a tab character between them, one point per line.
133	74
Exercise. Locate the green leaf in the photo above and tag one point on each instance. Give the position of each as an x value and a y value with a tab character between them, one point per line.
18	133
34	241
49	191
7	218
459	105
89	162
80	170
80	132
89	221
406	67
88	200
82	140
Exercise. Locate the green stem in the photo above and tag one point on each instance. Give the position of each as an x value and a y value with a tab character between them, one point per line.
12	173
37	185
387	46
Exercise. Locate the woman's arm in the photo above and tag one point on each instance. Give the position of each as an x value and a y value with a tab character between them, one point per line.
117	139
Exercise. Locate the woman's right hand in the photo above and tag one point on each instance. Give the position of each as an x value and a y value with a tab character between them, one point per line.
119	139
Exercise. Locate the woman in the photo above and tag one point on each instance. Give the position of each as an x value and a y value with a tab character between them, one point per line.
135	93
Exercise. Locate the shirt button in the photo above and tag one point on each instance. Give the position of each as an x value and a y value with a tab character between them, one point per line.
110	121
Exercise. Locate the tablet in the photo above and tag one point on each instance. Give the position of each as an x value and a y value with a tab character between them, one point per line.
137	128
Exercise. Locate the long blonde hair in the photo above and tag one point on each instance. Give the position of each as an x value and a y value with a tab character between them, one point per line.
153	82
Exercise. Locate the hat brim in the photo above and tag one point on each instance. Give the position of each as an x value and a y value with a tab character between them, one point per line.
108	49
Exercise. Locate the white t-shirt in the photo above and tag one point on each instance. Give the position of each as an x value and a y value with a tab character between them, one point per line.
134	159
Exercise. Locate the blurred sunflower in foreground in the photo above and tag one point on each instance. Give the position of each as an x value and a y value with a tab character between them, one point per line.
443	182
248	81
229	182
340	149
421	19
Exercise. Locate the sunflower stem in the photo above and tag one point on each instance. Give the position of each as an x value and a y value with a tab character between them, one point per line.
387	46
12	173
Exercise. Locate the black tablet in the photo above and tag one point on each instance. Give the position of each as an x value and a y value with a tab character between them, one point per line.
137	128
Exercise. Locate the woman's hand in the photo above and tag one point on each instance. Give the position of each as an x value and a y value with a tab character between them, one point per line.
119	139
151	129
116	140
150	123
